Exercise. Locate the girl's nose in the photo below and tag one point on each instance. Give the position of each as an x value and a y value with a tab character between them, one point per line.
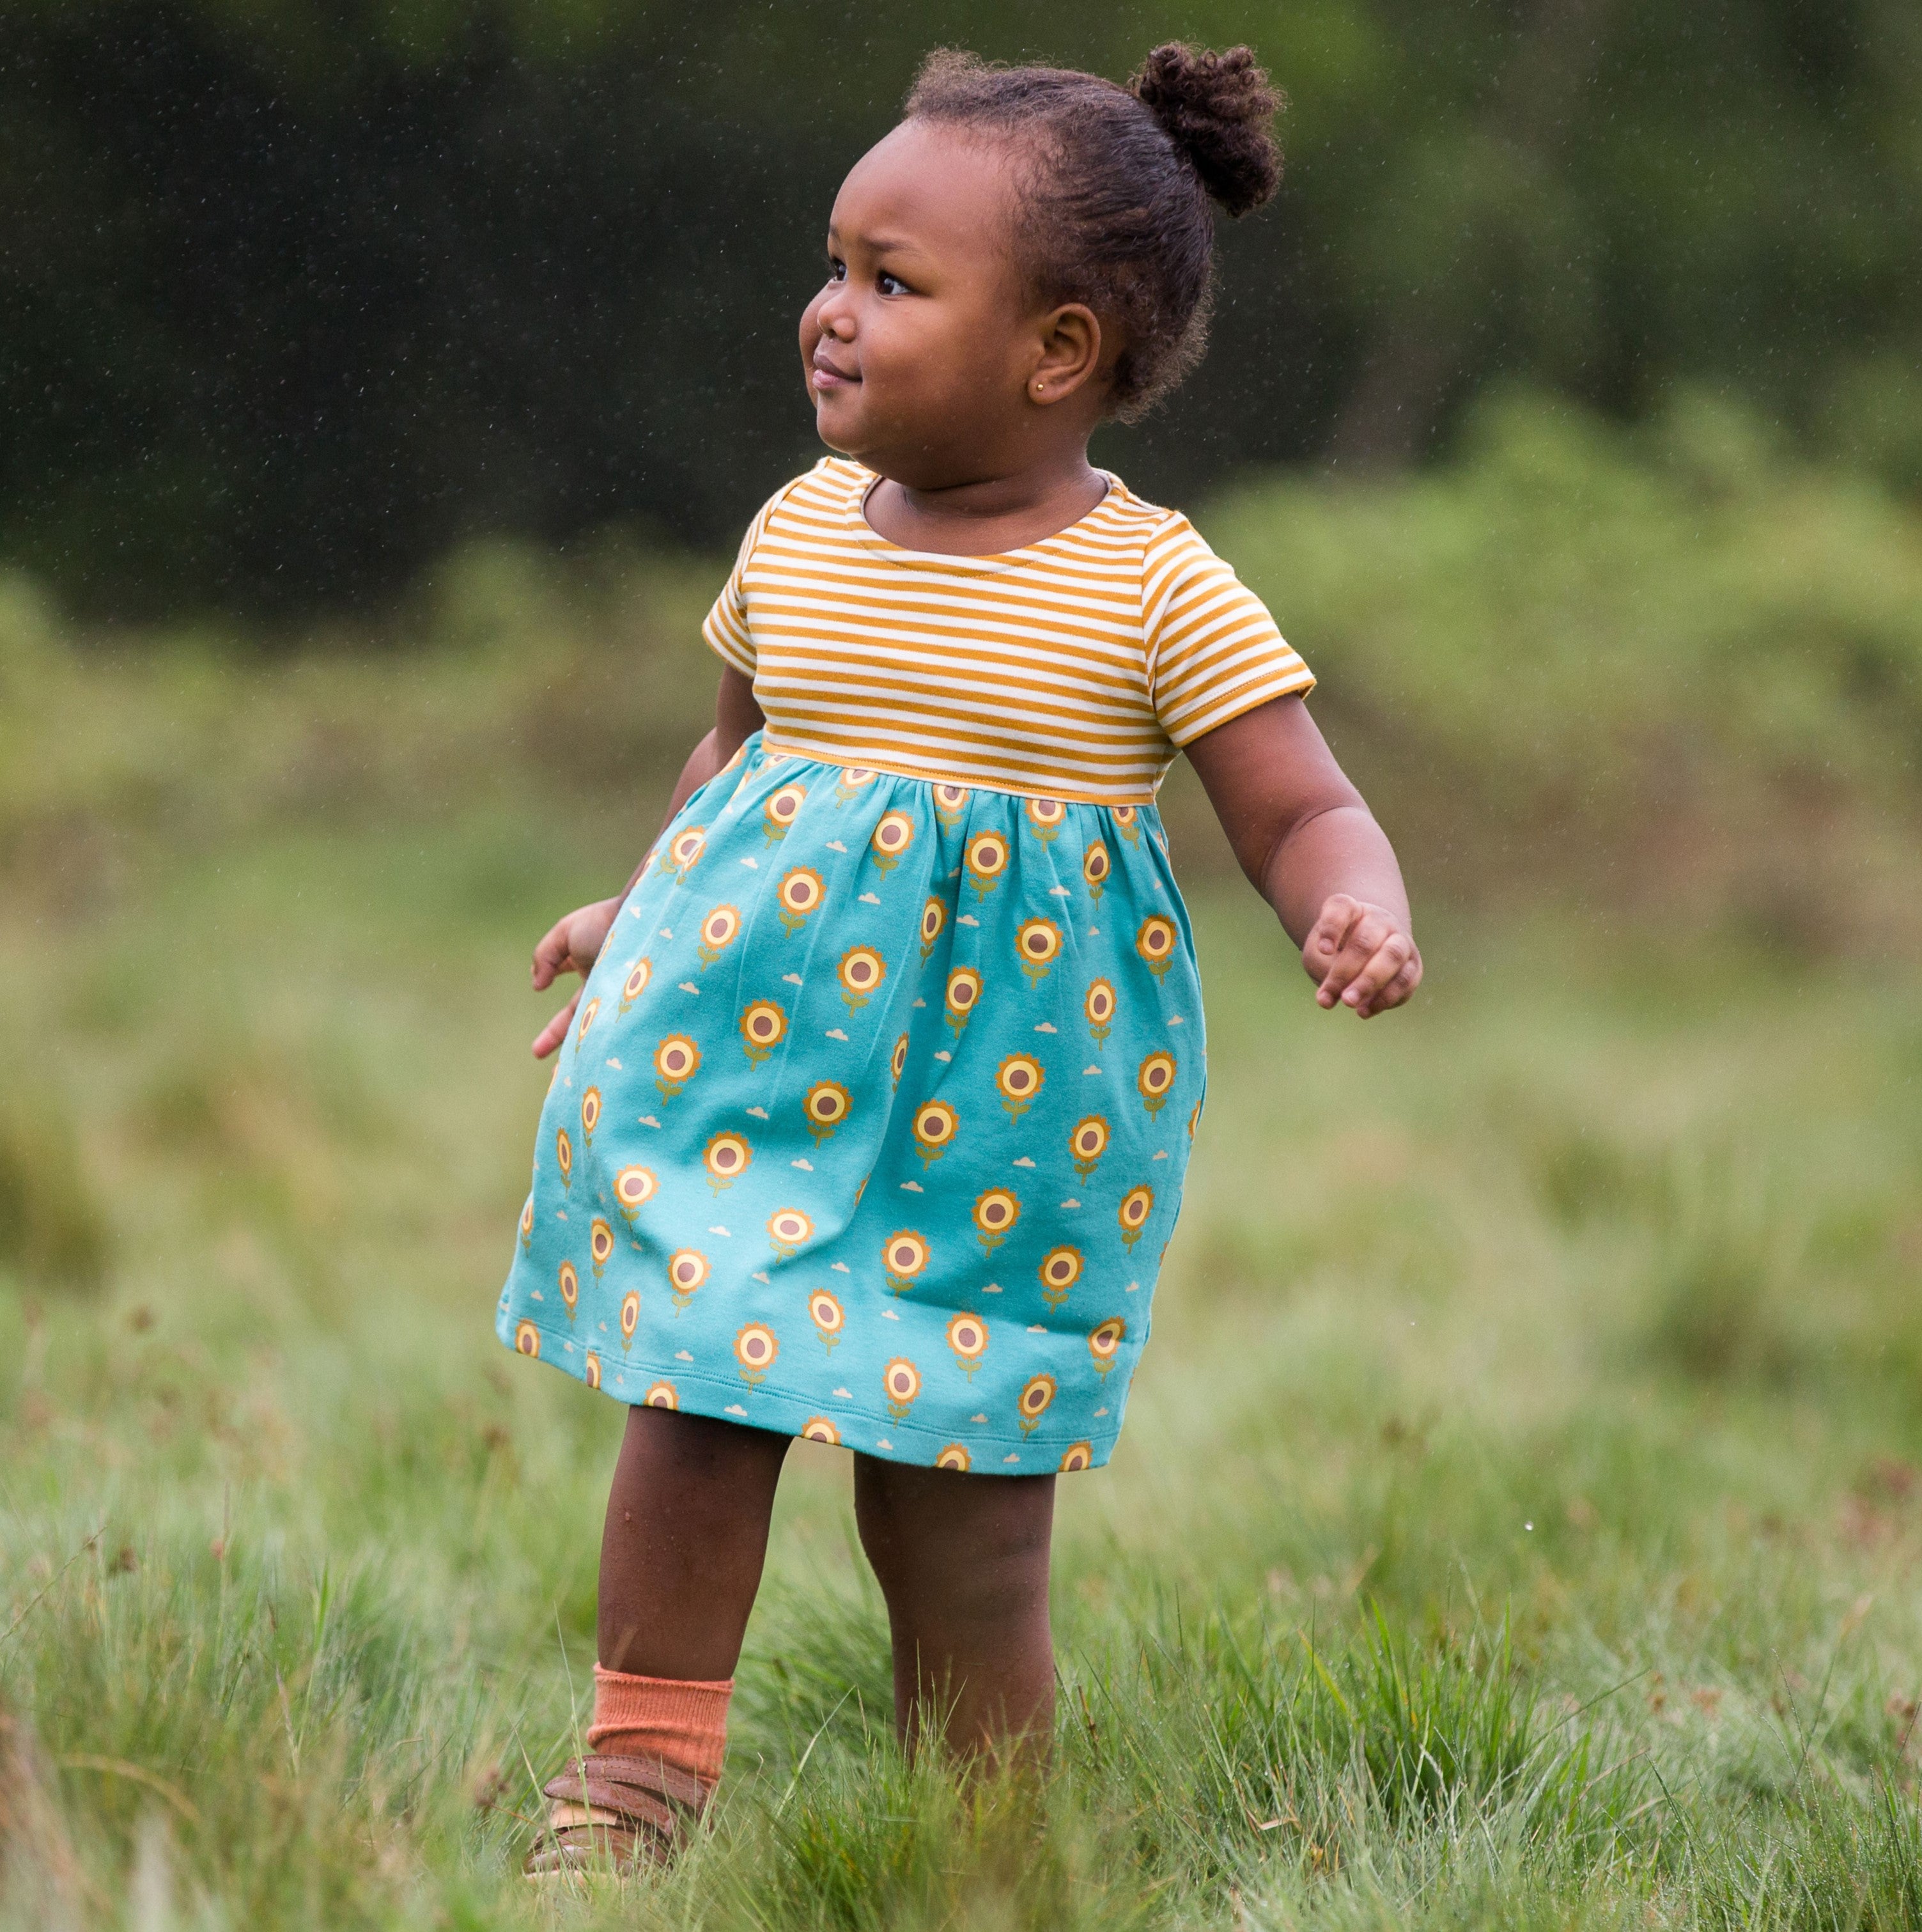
835	320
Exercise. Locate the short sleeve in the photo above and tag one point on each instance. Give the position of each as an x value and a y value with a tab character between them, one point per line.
725	627
1213	652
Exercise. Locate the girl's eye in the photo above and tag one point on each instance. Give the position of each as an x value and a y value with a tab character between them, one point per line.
836	270
890	285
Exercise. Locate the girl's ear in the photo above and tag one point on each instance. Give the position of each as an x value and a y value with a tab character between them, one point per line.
1069	356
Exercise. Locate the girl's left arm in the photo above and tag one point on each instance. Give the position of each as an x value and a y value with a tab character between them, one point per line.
1311	848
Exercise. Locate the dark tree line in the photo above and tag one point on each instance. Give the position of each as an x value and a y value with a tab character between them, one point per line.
291	299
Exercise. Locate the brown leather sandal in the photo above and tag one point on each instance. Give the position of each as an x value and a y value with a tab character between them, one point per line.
627	1812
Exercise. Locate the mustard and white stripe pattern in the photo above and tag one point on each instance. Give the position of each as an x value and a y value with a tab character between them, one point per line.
1072	669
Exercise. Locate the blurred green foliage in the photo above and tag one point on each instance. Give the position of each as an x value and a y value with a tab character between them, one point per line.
295	297
1670	669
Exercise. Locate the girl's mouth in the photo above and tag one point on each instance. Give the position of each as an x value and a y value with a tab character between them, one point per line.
825	376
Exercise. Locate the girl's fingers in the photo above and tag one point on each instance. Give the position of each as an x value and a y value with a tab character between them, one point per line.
1396	992
1328	934
1371	930
551	1035
552	954
1381	966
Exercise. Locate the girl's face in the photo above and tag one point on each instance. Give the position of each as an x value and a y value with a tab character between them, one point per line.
922	352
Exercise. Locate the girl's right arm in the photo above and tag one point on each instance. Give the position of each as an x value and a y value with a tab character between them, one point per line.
573	944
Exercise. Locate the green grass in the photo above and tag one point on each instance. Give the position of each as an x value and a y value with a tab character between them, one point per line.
1518	1523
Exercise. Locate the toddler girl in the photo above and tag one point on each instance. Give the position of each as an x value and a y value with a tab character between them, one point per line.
870	1122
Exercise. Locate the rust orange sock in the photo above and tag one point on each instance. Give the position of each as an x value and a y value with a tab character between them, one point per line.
681	1722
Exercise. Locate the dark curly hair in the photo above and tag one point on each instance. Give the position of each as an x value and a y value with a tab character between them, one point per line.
1117	185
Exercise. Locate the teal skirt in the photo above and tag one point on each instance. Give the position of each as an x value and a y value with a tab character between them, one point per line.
872	1123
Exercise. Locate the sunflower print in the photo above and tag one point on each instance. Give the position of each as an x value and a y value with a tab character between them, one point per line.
681	853
996	1211
800	893
1018	1080
718	931
763	1027
1037	945
589	1011
1046	818
635	984
826	1104
1061	1269
986	1280
755	1348
829	1318
1156	942
1037	1394
1087	1143
900	1381
853	780
1104	1341
986	859
1193	1119
861	971
789	1230
781	810
660	1395
934	921
727	1157
569	1280
819	1429
1099	1009
904	1256
951	805
676	1061
1127	822
527	1340
892	835
687	1270
1137	1205
935	1126
962	996
1155	1080
634	1187
967	1337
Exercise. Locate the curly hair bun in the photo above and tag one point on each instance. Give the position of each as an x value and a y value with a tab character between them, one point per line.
1219	110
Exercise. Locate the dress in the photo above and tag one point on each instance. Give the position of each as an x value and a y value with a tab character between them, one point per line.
872	1124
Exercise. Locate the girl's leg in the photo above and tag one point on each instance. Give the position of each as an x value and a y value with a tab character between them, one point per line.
685	1538
962	1560
681	1559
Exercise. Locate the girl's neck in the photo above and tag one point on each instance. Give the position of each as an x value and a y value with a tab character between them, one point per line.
987	515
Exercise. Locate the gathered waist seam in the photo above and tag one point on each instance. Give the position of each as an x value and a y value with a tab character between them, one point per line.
869	763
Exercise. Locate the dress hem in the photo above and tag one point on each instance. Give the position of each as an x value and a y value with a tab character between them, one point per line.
1051	1448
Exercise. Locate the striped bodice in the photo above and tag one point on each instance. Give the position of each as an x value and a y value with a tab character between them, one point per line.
1074	668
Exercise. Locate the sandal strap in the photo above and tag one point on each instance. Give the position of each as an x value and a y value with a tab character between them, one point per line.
643	1789
633	1809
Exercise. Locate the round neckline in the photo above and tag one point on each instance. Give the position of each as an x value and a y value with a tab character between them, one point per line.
868	534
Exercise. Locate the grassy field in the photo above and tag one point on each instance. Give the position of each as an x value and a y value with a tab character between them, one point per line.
1519	1517
1518	1522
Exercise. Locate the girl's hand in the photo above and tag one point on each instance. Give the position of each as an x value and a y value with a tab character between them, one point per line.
1363	954
572	946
